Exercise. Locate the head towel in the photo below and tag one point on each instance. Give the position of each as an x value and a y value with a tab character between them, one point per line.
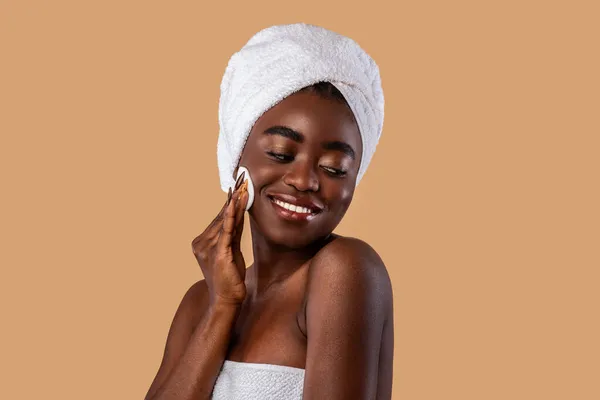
282	59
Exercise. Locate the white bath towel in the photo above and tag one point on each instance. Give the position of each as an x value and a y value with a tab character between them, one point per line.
282	59
250	381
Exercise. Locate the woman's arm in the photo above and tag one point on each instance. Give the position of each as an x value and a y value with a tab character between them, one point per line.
349	301
196	348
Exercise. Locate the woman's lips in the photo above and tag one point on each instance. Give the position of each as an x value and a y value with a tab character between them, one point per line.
291	215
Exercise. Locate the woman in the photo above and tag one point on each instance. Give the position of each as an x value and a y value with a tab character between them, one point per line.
312	317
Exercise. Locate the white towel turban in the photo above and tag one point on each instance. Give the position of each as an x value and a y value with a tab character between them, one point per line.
282	59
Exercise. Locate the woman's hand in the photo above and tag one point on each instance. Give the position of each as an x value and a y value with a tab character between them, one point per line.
218	252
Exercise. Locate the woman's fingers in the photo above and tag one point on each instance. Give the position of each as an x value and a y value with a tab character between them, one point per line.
216	224
241	209
242	199
238	190
215	229
219	216
211	233
226	234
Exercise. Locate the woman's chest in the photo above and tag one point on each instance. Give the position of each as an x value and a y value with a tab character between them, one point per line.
268	331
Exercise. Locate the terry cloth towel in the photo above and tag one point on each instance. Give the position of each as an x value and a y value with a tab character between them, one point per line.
282	59
249	381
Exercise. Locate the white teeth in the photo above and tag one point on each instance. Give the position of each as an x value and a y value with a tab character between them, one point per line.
292	207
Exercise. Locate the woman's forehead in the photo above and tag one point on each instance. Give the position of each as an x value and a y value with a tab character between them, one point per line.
314	117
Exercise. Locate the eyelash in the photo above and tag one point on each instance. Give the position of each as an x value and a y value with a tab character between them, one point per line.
285	158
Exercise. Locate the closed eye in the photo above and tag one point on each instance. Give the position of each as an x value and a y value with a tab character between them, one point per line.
335	172
280	156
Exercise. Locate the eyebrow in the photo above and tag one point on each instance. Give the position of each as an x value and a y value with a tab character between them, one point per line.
298	137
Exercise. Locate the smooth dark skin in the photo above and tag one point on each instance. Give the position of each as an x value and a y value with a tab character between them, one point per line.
314	299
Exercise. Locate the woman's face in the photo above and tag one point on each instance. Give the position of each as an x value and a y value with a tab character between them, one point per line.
306	150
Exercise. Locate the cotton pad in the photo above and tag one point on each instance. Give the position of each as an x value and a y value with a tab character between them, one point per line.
250	185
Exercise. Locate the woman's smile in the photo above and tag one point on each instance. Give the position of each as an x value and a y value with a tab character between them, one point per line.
291	215
294	209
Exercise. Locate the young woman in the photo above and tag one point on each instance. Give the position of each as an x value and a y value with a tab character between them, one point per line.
312	317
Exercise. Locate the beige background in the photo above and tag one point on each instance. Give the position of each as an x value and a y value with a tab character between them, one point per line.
108	122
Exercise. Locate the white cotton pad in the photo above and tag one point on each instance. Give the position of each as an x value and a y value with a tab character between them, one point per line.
250	185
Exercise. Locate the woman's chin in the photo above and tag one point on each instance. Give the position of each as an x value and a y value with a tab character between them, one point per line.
291	240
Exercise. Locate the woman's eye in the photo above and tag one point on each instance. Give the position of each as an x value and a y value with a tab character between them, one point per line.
280	156
336	172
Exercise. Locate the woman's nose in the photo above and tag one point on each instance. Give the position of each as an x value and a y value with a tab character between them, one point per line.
302	176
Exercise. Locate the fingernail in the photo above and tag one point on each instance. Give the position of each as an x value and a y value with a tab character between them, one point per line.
240	179
228	196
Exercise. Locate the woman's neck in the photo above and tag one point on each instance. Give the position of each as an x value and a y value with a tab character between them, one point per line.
274	263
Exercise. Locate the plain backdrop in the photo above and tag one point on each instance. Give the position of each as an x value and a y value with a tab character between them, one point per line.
482	197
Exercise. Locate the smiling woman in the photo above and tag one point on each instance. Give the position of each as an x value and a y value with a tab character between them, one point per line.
312	317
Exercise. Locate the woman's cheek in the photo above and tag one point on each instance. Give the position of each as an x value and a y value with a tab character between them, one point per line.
346	195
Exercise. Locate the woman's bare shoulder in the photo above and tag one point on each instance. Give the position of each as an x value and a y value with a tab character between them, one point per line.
351	263
346	248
